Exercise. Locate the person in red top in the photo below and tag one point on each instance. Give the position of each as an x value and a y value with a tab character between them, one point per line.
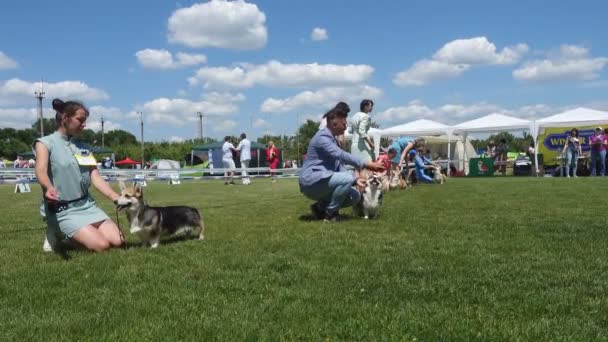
272	156
598	144
386	162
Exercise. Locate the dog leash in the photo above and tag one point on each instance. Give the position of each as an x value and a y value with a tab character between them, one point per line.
124	238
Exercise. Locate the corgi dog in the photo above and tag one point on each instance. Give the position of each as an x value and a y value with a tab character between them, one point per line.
149	223
371	195
397	180
439	177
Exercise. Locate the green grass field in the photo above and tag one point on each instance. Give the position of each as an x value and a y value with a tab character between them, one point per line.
482	259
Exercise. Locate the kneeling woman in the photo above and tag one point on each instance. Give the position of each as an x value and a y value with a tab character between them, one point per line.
323	177
65	174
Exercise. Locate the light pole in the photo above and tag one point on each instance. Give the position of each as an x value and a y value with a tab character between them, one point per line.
141	122
298	137
40	95
200	126
102	133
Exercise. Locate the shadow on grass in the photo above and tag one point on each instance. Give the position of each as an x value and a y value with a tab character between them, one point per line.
310	218
65	248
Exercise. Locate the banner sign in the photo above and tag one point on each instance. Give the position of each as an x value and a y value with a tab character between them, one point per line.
552	140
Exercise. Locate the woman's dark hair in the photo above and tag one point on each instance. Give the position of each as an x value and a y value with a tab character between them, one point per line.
68	108
572	132
227	138
365	103
340	105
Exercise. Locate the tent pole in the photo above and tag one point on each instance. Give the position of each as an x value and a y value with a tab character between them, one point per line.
449	155
191	157
465	165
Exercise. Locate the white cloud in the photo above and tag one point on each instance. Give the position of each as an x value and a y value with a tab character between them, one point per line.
163	59
95	125
456	57
6	62
478	50
178	112
176	139
452	114
458	111
260	123
225	126
277	74
16	91
319	33
18	117
427	71
412	111
324	97
570	63
219	23
112	113
217	97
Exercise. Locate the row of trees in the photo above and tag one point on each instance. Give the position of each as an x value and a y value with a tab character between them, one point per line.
124	144
515	144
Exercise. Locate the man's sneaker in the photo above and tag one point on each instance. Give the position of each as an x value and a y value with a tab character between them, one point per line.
317	212
332	217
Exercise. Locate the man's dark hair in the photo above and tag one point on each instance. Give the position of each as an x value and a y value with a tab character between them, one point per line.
340	105
365	103
336	112
243	136
227	138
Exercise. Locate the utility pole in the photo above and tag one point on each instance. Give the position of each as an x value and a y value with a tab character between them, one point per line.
141	122
200	126
298	137
40	95
102	133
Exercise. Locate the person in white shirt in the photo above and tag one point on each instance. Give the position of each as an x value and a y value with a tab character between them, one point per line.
245	150
227	160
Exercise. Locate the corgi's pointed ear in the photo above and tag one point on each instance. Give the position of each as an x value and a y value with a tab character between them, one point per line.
121	185
139	191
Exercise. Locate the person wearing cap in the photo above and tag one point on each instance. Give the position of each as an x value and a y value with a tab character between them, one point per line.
420	167
598	144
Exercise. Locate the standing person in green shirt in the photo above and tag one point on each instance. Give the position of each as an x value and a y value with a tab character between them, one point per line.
65	173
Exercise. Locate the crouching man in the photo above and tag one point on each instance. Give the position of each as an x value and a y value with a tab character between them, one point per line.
323	177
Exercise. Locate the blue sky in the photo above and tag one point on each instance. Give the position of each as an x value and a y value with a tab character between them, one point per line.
264	66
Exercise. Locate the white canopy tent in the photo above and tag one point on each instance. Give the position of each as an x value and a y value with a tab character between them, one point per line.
444	145
494	122
419	127
416	128
571	118
374	133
